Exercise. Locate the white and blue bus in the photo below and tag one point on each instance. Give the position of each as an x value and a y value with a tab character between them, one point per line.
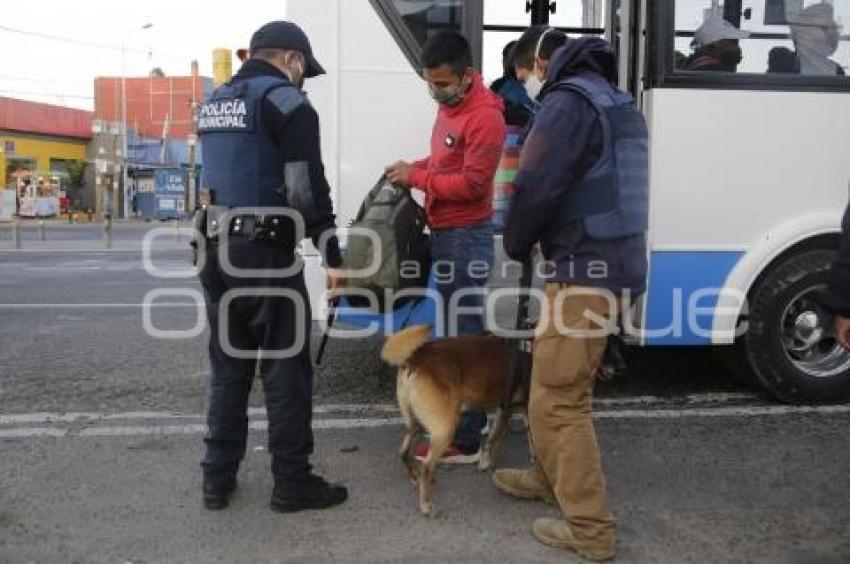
749	169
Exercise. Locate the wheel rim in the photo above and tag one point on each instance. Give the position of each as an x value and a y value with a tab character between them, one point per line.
808	338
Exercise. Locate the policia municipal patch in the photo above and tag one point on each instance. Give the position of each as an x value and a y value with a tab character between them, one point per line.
231	114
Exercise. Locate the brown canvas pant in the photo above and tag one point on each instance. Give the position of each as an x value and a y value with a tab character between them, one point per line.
565	365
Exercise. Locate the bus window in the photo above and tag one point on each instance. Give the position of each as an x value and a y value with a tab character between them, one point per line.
425	17
412	22
505	20
778	37
585	15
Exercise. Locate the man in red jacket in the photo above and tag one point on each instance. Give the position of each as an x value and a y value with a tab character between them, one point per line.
457	178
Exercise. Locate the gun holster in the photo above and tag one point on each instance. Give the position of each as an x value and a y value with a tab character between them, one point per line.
215	222
199	231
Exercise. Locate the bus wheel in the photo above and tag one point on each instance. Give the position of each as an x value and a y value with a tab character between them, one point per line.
790	345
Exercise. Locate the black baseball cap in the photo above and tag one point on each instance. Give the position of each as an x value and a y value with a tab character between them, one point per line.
287	35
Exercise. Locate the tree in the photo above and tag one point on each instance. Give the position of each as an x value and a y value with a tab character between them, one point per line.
76	172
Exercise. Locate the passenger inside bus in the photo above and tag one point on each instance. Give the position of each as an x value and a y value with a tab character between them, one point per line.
816	35
716	47
782	60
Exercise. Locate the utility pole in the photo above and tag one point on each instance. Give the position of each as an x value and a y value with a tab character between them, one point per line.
124	160
192	140
124	157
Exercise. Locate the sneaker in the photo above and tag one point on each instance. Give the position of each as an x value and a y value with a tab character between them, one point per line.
312	493
454	454
217	491
558	534
524	484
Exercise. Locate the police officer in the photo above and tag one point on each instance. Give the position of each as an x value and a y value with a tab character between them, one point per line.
260	139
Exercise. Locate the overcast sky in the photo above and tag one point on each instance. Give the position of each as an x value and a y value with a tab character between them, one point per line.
61	72
43	68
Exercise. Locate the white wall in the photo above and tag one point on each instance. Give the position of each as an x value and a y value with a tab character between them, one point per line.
373	107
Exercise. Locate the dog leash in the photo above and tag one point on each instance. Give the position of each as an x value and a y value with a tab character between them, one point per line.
520	347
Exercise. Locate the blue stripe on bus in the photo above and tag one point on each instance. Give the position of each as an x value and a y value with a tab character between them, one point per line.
676	278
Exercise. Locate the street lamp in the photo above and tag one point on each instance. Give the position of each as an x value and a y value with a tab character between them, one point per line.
125	176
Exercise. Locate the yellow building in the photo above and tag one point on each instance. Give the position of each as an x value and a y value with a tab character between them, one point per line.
41	154
39	139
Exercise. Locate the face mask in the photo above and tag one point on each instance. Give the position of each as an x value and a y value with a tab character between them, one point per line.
296	75
533	86
448	97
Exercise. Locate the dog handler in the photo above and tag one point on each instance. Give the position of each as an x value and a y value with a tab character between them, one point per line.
582	193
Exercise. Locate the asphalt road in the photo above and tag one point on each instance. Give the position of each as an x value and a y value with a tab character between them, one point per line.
100	428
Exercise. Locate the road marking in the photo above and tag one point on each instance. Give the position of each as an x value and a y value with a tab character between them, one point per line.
187	429
40	418
327	424
118	248
742	411
31	432
103	306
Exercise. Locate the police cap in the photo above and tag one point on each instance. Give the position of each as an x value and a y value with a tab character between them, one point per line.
287	35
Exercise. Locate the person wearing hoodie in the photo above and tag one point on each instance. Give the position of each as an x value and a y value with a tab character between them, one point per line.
457	178
582	194
519	109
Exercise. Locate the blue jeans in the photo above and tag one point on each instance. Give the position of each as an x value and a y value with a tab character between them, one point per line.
463	258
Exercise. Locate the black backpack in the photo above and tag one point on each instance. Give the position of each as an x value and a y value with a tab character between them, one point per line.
391	213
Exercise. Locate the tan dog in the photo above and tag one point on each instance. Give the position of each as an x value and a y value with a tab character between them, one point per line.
439	379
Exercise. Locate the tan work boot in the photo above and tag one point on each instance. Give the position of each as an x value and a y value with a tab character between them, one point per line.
558	534
524	484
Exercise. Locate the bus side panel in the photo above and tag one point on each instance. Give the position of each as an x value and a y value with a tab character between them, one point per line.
728	166
730	172
684	288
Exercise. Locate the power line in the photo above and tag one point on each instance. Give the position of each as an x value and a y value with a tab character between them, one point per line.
66	39
42	79
55	94
90	44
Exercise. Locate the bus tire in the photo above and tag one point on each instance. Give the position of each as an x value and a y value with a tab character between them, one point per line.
789	345
734	365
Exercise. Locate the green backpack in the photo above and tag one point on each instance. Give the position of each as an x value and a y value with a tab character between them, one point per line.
392	214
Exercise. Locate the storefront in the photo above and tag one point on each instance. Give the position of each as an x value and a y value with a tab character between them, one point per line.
39	145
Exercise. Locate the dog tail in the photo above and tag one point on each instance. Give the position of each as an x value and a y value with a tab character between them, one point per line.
402	345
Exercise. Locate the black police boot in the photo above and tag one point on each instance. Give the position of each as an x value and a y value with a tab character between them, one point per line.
311	493
217	491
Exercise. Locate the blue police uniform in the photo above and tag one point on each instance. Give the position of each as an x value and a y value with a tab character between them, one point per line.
261	149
